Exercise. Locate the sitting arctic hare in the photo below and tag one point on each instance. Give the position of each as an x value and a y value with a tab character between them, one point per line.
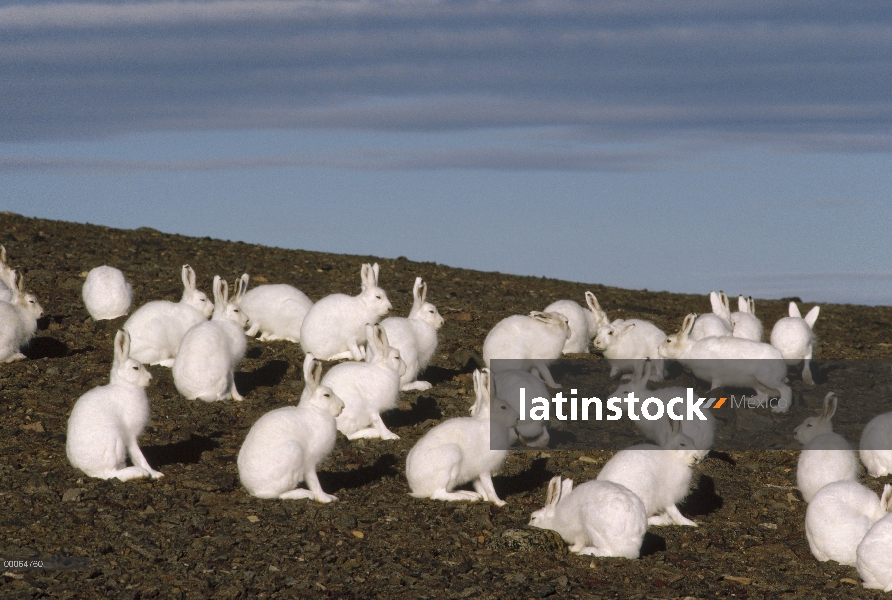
157	328
584	323
598	518
18	320
827	456
368	388
204	368
794	337
744	323
285	445
839	516
106	421
874	556
659	475
277	311
334	327
107	294
532	342
415	337
458	451
876	445
714	324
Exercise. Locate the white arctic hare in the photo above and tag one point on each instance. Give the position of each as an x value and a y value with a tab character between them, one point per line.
506	386
18	320
458	450
875	448
827	456
277	311
718	322
659	475
334	327
659	431
205	364
156	328
285	445
415	337
107	294
794	337
744	323
106	421
368	388
624	342
6	278
598	518
874	556
532	342
584	323
731	361
839	516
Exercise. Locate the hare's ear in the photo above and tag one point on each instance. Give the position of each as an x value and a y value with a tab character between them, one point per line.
188	278
553	495
794	310
381	335
2	254
886	498
638	372
240	287
742	306
566	488
830	402
375	269
310	371
647	371
218	297
674	427
541	316
812	316
224	290
20	284
122	346
481	392
419	290
751	304
688	325
716	302
365	275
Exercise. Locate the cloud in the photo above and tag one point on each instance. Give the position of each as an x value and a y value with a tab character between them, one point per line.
811	76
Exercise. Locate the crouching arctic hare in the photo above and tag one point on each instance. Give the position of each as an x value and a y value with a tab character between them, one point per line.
106	421
598	518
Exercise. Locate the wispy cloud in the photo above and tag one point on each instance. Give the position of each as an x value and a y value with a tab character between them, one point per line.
810	76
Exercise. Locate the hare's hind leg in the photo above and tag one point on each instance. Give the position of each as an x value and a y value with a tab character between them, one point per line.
483	485
445	475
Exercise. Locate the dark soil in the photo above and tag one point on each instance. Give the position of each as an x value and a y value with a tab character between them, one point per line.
197	533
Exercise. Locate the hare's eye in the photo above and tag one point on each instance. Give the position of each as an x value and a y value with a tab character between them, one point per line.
378	296
136	368
234	310
683	445
808	425
327	395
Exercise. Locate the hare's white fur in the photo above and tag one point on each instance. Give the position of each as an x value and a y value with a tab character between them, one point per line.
506	386
458	451
874	556
744	323
826	456
659	431
205	364
415	337
18	320
876	446
157	328
335	327
532	342
107	294
839	516
659	475
597	518
276	310
624	342
795	338
368	388
714	324
285	445
584	322
730	361
106	421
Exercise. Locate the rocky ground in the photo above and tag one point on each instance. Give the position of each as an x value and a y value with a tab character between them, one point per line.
196	532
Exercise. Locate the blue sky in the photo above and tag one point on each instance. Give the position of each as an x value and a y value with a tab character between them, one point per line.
682	146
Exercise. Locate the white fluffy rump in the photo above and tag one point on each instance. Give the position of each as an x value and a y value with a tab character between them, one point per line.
207	375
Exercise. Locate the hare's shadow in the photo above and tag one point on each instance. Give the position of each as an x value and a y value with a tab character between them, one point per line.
184	452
